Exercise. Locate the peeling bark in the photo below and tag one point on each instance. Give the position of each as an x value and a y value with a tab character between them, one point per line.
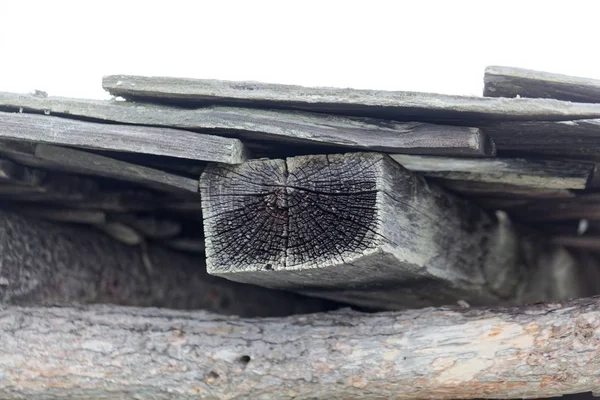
112	352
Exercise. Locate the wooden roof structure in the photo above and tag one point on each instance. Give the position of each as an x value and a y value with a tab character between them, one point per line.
305	200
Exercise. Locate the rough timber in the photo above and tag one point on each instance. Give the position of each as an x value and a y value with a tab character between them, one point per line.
360	228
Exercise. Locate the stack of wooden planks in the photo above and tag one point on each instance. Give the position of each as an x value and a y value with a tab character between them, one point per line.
380	199
303	199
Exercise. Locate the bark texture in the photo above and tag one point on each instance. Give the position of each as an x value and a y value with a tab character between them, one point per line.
106	352
45	263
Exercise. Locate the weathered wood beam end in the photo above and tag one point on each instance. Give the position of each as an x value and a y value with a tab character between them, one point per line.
360	228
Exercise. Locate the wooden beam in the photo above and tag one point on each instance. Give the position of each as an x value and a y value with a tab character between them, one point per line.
123	138
547	174
362	229
490	189
513	82
112	352
48	263
410	106
281	126
83	162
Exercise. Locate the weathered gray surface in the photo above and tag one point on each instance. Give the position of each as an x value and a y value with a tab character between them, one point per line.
286	126
46	263
579	138
124	138
93	164
361	228
386	104
512	82
107	352
547	174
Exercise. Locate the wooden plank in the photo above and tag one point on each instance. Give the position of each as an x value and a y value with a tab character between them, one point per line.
395	105
50	263
539	351
283	126
579	138
151	226
362	229
547	174
513	82
93	164
60	214
124	138
584	206
500	190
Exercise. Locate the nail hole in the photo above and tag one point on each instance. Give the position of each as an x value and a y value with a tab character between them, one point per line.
213	374
269	267
244	359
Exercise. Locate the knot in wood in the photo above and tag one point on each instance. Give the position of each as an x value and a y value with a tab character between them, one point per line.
289	214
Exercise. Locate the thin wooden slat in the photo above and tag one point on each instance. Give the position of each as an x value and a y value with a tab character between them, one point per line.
547	174
93	164
282	126
511	82
578	138
591	243
124	138
360	228
584	206
387	104
60	214
500	190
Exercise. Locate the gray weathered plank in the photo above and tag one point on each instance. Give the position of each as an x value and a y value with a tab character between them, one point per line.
286	126
60	214
362	229
513	82
50	263
580	138
124	138
539	173
124	352
590	243
393	105
78	161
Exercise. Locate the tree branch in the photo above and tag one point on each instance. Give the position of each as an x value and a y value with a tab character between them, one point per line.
112	352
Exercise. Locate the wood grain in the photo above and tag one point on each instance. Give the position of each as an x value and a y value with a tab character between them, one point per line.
82	162
362	229
124	138
512	82
298	128
123	352
538	173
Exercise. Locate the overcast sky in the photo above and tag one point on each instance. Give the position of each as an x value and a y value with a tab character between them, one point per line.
65	47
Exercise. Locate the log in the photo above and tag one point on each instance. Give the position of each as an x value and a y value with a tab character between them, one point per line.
82	162
124	138
116	352
538	173
283	126
361	229
513	82
579	139
411	106
56	264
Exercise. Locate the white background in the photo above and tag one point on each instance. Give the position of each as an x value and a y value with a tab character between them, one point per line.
65	47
